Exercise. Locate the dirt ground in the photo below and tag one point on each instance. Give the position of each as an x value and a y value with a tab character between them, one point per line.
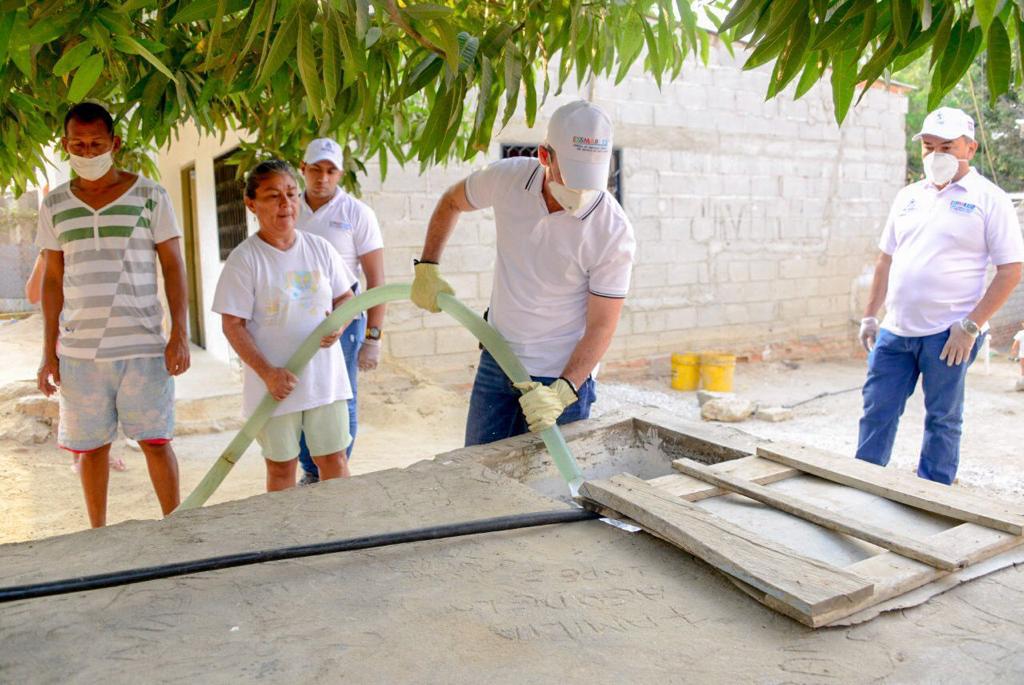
405	417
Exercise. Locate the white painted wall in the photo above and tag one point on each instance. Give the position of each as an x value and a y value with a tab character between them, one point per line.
191	148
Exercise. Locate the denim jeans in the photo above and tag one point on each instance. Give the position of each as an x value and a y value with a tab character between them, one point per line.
351	342
893	368
494	411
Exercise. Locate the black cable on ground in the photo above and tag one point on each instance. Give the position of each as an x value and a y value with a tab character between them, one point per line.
820	396
140	575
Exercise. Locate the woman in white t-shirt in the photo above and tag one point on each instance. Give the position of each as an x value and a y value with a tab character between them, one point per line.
275	289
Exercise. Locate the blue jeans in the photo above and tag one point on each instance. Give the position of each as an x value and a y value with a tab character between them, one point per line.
494	411
351	342
893	368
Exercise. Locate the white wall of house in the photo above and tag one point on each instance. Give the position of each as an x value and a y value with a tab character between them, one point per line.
754	219
191	148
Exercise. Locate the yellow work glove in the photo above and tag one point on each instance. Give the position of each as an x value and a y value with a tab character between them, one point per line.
427	285
543	404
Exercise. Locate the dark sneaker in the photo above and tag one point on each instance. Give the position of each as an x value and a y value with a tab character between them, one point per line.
308	478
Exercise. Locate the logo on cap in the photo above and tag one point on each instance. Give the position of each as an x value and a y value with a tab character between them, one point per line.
589	144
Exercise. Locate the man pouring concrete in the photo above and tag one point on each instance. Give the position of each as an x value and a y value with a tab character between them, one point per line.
941	235
564	259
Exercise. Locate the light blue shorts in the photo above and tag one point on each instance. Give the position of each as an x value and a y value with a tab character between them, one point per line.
94	396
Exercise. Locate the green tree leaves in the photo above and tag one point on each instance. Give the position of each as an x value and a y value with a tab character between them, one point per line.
85	78
429	81
866	40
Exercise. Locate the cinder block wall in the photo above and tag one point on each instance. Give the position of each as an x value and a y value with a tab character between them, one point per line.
754	219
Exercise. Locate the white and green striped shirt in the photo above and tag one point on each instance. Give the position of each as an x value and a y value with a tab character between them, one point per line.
111	309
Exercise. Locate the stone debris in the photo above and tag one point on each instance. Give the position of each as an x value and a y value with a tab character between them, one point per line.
39	407
773	414
704	396
727	409
26	430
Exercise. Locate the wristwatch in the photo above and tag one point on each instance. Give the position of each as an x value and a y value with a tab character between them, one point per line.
970	328
373	333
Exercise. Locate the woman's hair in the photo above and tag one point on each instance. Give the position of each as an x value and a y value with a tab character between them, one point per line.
264	170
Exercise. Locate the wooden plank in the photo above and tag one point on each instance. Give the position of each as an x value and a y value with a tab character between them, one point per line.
894	575
809	586
887	539
754	469
899	487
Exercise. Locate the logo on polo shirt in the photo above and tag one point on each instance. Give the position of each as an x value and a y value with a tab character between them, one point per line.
909	207
343	225
589	144
962	207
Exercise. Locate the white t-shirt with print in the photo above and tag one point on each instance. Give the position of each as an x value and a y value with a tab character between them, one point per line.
941	243
284	295
346	223
548	263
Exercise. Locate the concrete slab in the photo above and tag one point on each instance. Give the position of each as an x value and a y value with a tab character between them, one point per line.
581	602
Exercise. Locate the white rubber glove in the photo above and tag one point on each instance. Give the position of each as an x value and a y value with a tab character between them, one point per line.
369	355
427	285
958	347
868	333
543	404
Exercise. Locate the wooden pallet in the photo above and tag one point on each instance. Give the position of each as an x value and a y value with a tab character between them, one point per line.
811	591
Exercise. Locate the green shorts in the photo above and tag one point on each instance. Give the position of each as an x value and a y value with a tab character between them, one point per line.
326	429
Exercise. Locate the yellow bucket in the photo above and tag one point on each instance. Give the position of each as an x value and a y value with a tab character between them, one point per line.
685	371
716	372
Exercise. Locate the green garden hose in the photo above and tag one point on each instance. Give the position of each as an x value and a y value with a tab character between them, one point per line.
484	332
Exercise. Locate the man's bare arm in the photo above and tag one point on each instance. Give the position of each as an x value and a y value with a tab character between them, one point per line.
177	356
999	290
450	207
879	285
373	267
602	319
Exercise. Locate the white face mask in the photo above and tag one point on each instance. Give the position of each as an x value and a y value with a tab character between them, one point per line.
941	167
571	199
92	168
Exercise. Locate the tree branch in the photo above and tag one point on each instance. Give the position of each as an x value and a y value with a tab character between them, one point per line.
397	18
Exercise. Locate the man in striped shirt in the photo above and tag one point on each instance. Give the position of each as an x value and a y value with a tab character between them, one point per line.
102	234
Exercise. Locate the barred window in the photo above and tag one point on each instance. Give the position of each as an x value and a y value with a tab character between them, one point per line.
229	192
614	171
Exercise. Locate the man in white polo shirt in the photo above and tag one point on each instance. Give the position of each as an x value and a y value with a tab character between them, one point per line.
351	227
564	259
941	235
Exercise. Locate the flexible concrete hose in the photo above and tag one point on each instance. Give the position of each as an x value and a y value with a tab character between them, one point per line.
484	332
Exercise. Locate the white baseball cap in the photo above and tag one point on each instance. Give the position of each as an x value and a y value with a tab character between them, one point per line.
324	149
581	135
948	123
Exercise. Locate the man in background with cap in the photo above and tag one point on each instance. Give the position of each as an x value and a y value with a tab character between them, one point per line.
940	237
564	259
351	227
